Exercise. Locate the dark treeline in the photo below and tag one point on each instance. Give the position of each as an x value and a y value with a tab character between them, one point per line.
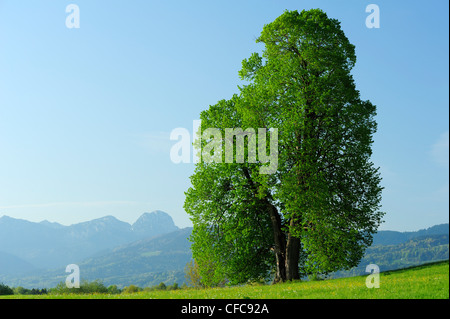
86	287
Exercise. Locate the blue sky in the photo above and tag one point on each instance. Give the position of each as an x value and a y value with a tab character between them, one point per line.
85	114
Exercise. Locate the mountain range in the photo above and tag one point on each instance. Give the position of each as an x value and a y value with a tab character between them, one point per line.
145	263
154	250
393	250
49	245
389	237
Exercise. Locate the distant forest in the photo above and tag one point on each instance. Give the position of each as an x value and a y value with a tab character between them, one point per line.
416	251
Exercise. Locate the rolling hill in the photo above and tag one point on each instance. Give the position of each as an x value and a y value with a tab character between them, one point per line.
415	251
122	254
389	237
146	262
49	245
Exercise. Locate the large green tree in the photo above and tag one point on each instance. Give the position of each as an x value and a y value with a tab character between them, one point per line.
318	211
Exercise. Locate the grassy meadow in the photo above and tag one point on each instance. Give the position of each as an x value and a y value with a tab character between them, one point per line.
422	282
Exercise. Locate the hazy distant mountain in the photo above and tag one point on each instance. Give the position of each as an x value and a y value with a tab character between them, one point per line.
415	251
10	264
49	224
152	224
162	258
394	250
389	237
50	245
132	254
145	263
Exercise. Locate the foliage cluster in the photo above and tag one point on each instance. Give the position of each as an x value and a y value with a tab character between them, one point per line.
5	290
318	208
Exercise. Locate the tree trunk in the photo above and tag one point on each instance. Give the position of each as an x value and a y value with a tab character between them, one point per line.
292	257
278	235
280	244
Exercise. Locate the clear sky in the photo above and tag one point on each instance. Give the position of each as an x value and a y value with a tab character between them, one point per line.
86	113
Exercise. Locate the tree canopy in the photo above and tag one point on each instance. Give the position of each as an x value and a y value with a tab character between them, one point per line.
317	212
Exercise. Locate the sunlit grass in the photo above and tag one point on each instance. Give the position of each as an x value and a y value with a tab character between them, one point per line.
426	282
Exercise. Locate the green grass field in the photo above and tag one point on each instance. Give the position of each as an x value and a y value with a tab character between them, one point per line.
424	282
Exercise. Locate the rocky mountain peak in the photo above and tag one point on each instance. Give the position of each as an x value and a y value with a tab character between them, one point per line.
154	223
